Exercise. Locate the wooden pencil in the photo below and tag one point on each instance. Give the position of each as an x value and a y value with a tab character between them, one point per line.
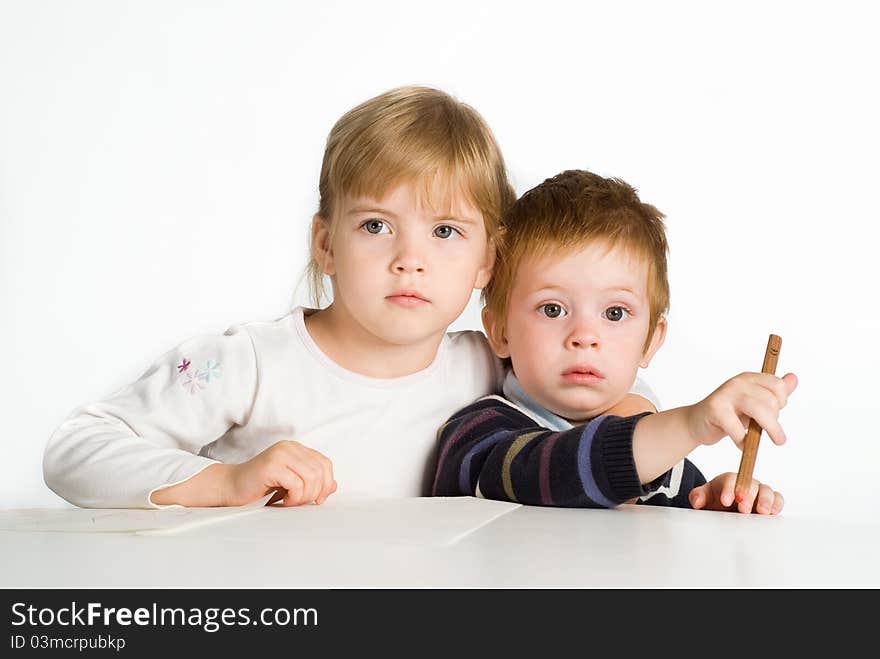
753	436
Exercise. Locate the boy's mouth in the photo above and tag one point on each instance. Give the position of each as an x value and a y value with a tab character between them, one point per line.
582	374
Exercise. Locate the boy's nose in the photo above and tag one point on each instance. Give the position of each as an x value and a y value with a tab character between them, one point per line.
582	336
408	265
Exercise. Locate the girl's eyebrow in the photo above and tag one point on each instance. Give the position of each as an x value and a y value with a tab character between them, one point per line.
371	209
464	219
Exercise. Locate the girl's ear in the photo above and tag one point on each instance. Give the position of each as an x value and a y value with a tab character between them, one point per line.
484	274
656	341
495	334
322	251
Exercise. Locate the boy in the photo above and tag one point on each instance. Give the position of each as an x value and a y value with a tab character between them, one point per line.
576	306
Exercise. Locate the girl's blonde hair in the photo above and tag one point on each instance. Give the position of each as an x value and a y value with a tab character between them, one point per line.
411	135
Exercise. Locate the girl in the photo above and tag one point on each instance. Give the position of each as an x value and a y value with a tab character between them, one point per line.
411	189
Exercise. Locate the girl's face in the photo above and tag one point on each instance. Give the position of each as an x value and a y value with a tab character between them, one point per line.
403	269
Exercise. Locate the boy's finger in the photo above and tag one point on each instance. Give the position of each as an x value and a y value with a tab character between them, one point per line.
764	502
791	382
775	387
766	416
747	504
731	426
696	498
774	431
728	495
778	503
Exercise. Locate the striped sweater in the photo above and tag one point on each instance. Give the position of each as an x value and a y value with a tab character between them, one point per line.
496	449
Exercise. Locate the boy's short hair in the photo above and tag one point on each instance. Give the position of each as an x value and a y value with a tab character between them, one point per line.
417	135
568	211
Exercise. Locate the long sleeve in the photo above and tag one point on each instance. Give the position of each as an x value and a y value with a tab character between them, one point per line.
675	487
491	449
116	452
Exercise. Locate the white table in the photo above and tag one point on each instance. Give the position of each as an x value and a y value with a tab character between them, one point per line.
351	543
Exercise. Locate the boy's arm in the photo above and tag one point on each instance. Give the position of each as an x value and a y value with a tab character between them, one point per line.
490	449
661	440
493	450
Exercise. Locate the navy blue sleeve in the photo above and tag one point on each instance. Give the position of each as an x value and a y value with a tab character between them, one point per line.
491	449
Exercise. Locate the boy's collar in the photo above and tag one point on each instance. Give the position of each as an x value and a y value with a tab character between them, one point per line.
514	392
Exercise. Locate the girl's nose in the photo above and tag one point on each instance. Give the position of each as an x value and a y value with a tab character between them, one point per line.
409	258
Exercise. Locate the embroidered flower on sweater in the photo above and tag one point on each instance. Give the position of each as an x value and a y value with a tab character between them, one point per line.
192	382
195	380
210	371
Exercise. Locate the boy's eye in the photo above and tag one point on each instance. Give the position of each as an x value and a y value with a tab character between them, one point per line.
615	314
445	231
552	310
375	226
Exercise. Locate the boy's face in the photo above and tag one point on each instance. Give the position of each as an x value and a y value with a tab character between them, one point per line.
403	270
576	327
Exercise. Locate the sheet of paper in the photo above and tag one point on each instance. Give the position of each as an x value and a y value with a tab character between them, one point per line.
352	519
121	520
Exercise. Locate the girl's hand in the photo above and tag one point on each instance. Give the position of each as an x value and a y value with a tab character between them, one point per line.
717	494
297	473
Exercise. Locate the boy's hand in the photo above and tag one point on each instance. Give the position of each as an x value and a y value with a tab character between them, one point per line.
300	474
717	494
727	410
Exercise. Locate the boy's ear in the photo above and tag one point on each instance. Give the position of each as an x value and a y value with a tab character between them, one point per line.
656	341
321	248
495	334
484	274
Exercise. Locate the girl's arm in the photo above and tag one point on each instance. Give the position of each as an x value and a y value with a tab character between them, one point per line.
117	452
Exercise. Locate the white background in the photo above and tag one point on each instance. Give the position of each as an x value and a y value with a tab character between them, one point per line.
159	165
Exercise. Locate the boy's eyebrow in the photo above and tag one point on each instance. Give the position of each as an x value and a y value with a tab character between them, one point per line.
610	289
625	289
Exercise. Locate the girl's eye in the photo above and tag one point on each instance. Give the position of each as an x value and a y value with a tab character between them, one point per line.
375	227
445	231
552	310
615	314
